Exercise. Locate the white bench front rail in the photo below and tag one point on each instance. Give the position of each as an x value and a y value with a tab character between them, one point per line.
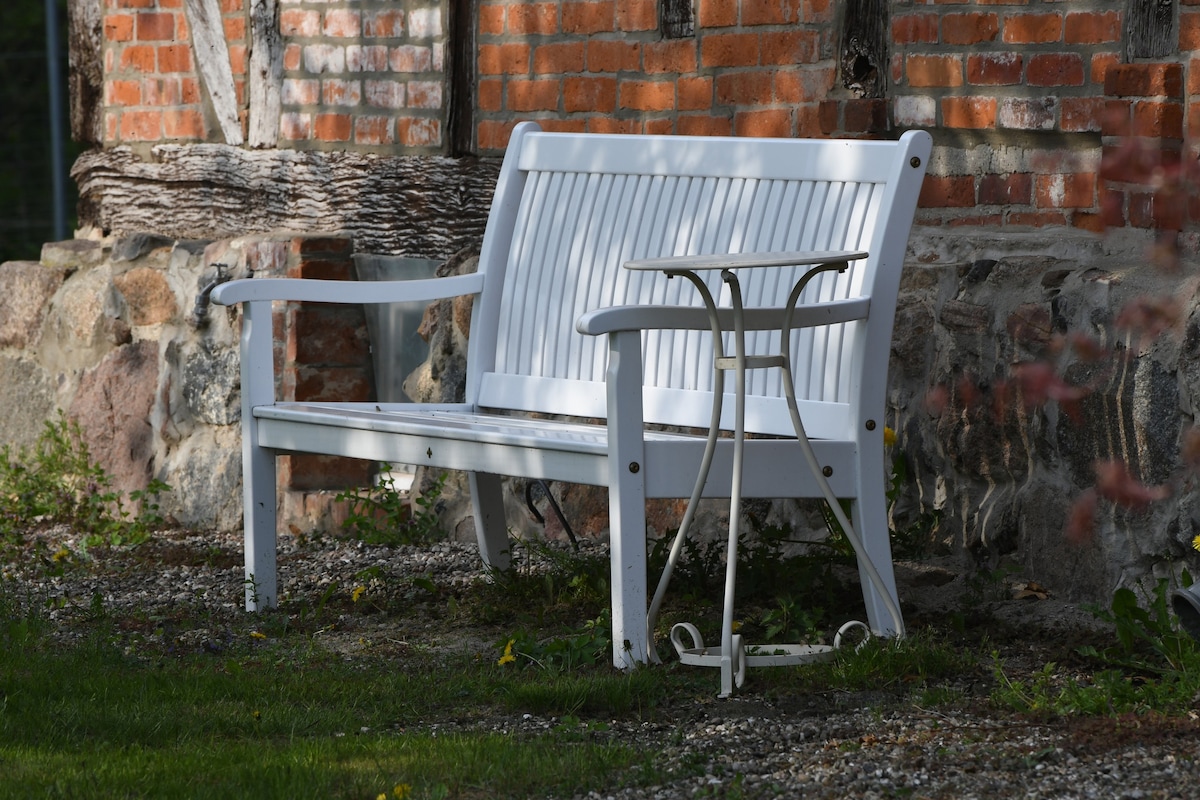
559	328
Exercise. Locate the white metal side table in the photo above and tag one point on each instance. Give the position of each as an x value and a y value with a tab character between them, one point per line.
734	656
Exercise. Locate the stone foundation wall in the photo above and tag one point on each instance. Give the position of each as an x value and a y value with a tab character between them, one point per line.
107	331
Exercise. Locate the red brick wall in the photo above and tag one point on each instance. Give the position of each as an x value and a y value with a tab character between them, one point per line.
360	74
1024	96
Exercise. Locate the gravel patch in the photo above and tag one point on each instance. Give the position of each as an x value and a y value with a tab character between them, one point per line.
818	745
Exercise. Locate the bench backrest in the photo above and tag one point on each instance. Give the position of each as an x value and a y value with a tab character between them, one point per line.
570	209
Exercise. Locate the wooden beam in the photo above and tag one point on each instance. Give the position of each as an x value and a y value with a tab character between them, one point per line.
212	60
85	29
423	206
266	72
1150	30
460	51
862	54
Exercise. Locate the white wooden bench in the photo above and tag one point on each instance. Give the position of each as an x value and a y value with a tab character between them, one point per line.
559	328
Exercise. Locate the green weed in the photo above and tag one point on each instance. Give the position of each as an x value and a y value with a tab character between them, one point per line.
385	514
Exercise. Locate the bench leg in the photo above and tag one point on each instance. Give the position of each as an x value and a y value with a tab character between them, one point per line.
258	489
487	504
869	517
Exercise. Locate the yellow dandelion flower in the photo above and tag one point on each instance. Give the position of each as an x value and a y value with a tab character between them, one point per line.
257	635
889	437
382	796
737	625
402	791
357	592
61	555
508	656
1196	543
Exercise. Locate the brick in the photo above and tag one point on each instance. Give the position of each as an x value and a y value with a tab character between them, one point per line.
915	29
558	57
637	15
954	191
589	94
771	123
342	23
419	132
291	57
535	95
647	95
969	112
491	20
175	58
493	134
789	47
373	130
1055	69
613	125
934	71
829	116
612	56
807	124
141	126
294	126
915	111
489	94
322	256
1101	63
328	383
995	69
190	89
425	94
533	18
1081	114
320	58
304	473
865	115
183	123
1189	30
139	58
1036	219
753	88
960	29
239	57
425	23
235	29
669	55
385	94
694	94
332	127
154	27
503	59
1004	190
123	93
589	16
1033	28
162	92
337	92
295	22
1019	113
564	125
1144	80
770	12
372	58
1158	119
118	28
729	50
1066	191
387	24
717	13
804	85
1092	27
703	125
410	58
298	92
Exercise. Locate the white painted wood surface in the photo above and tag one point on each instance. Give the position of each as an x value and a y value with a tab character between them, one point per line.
212	61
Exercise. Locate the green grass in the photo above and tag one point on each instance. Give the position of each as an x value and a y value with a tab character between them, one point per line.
281	720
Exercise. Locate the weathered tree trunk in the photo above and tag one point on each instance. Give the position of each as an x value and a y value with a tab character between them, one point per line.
85	32
426	206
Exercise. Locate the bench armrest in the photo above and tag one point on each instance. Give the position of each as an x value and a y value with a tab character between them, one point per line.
649	317
318	291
